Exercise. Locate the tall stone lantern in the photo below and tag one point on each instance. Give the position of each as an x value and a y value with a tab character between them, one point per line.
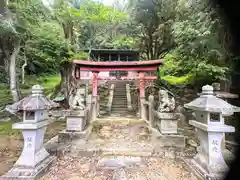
34	158
210	112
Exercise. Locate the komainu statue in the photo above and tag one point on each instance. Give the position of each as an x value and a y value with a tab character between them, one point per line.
77	101
166	104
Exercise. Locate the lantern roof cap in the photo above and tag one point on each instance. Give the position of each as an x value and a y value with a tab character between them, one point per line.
35	101
210	103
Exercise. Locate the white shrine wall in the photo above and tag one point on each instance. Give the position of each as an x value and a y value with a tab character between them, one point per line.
89	74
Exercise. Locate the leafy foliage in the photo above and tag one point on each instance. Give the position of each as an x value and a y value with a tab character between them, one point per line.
199	46
46	48
155	18
186	33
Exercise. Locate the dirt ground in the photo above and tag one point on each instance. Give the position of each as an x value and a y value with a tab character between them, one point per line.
70	168
11	145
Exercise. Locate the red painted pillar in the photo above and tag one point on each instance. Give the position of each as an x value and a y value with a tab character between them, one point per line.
95	84
95	95
141	87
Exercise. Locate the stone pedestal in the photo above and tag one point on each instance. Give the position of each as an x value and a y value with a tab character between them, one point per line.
168	122
143	112
34	158
209	161
76	120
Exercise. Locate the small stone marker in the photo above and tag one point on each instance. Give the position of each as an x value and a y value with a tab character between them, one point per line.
76	120
168	123
34	158
119	162
210	112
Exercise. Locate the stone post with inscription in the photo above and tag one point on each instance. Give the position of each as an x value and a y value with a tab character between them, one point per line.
34	158
210	112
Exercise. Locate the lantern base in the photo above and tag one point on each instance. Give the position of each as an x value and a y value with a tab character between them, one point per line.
30	173
200	170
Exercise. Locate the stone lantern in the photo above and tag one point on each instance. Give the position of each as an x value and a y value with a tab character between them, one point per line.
34	158
210	112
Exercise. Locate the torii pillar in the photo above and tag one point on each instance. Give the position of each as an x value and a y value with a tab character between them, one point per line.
95	93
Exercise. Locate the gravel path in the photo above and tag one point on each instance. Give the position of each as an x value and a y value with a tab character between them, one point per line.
71	168
121	137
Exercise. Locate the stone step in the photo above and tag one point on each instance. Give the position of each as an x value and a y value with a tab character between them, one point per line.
124	111
120	97
119	102
124	105
121	113
119	108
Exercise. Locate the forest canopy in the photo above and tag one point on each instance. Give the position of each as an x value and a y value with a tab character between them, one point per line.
38	37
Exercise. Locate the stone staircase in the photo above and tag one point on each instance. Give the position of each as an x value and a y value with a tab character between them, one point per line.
119	105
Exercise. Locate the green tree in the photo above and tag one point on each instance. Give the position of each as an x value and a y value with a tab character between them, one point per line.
155	18
200	49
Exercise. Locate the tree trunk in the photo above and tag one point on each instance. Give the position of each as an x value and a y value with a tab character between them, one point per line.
23	68
67	80
12	72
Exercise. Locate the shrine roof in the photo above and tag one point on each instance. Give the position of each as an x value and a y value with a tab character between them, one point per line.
108	64
112	50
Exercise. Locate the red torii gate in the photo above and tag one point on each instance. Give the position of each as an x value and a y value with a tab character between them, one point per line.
138	66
